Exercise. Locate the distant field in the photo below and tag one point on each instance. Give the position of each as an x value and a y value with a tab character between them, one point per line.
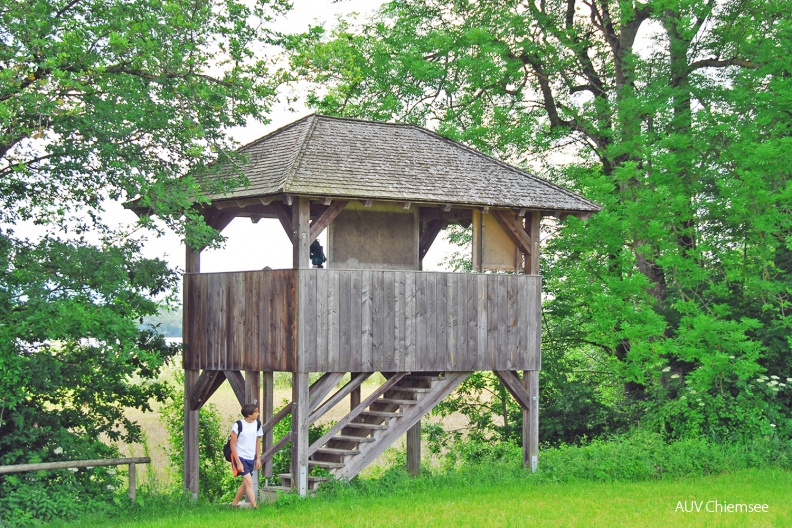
514	503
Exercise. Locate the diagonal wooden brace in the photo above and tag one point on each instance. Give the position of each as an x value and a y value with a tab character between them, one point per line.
511	380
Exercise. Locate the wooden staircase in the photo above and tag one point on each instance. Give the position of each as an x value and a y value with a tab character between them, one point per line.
381	419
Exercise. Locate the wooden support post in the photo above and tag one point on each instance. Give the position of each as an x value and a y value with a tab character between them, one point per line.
354	396
190	468
132	483
267	411
414	450
531	421
301	229
190	435
252	393
252	387
300	412
532	222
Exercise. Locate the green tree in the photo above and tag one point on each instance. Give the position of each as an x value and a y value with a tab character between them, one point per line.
104	100
674	115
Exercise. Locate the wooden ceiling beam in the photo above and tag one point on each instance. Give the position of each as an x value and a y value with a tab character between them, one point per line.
319	225
284	213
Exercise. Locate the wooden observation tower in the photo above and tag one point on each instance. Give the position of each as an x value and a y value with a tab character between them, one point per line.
384	192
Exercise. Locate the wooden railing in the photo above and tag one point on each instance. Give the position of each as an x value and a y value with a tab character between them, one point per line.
324	320
22	468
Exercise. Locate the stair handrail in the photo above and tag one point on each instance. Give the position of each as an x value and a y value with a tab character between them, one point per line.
356	411
351	385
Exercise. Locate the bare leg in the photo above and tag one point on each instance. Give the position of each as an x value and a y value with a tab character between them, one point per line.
247	482
239	493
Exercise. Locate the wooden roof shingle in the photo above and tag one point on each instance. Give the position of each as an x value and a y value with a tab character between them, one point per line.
349	158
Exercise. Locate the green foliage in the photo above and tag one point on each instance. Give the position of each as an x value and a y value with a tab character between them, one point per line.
663	310
103	100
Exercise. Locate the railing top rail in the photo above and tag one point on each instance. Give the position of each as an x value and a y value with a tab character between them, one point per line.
66	464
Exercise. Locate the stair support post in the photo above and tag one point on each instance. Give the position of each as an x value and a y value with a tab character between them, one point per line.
300	412
531	421
414	450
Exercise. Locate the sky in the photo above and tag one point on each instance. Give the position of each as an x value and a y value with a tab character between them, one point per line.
252	246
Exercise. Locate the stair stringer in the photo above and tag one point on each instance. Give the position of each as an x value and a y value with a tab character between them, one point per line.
399	426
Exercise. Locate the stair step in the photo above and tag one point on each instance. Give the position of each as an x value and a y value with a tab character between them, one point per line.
311	478
337	451
384	414
359	425
326	465
393	401
350	438
399	388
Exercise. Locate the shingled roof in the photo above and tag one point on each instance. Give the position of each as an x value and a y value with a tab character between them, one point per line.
349	158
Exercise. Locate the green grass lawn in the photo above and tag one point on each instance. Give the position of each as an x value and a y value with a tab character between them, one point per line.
513	502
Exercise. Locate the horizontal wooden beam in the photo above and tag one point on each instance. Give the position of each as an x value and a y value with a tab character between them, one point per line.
66	464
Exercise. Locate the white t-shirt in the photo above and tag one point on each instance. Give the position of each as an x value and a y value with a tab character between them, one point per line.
246	439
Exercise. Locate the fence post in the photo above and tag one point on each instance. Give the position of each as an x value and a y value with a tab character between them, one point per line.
132	494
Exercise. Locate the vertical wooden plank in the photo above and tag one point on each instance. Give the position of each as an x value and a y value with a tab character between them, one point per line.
409	321
452	320
492	321
344	325
252	354
355	322
300	411
471	322
531	421
367	321
319	336
439	361
388	322
512	330
420	321
267	412
378	314
427	362
462	319
399	312
481	325
333	326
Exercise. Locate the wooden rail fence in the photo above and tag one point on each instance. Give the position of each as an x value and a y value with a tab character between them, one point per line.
102	462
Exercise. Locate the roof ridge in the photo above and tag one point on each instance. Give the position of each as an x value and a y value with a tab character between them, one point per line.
299	154
275	132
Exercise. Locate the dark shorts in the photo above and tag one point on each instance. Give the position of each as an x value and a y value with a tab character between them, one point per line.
249	465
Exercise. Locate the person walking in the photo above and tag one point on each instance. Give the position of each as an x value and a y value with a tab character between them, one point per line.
246	452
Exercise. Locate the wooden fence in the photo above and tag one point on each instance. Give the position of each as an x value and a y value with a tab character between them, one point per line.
324	320
22	468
